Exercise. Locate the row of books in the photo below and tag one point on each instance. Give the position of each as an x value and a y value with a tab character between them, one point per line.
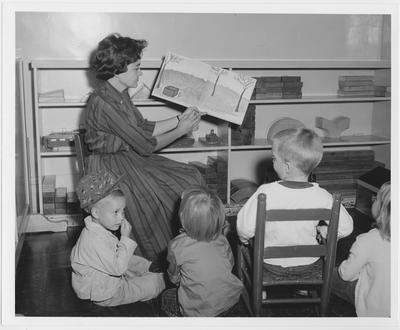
245	133
339	170
278	87
360	86
57	200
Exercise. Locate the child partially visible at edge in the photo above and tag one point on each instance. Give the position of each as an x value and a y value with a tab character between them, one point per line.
200	258
296	153
364	278
104	268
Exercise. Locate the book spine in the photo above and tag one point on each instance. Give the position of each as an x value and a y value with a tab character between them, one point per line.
343	83
356	78
357	88
355	93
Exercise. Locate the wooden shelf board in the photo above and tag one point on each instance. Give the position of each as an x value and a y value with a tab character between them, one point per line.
197	147
345	141
76	104
259	144
304	99
322	99
234	63
46	154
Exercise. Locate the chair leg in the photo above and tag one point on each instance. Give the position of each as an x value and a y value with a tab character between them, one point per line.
317	308
324	307
246	299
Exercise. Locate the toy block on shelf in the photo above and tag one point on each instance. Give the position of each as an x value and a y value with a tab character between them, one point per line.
73	205
333	128
49	194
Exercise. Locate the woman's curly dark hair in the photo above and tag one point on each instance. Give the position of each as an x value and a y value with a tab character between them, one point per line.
114	53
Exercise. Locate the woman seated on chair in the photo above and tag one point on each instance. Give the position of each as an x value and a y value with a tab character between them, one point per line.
123	142
295	153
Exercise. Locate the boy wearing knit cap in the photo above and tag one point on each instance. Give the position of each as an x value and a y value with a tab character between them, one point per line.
104	268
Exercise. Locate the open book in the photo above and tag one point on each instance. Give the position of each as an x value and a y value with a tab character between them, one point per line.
218	92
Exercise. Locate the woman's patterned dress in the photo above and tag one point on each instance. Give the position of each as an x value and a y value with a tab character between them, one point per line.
120	140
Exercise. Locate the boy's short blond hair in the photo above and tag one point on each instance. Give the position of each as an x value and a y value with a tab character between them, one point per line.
302	147
201	213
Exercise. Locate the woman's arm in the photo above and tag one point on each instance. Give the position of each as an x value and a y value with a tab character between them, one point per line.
187	122
166	125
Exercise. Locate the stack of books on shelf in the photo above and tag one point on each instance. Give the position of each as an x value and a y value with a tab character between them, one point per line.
361	86
339	170
292	87
57	200
215	174
49	194
56	96
278	87
244	134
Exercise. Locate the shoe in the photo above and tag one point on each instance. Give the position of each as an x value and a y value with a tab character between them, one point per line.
301	293
264	294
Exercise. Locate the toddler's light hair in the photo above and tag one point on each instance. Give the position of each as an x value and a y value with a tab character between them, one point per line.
201	213
383	218
302	147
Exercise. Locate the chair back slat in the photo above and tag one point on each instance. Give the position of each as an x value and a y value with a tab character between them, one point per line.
299	215
295	251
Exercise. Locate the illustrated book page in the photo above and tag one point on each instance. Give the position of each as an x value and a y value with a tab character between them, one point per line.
218	92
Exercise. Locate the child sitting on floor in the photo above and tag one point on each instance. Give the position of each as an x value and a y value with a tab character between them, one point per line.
295	153
200	259
104	268
364	278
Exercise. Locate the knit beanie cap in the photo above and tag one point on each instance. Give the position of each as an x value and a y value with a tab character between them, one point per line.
95	186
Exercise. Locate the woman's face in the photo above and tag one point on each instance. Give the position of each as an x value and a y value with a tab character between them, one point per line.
130	78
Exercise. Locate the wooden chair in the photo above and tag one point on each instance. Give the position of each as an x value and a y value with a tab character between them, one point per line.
251	259
81	151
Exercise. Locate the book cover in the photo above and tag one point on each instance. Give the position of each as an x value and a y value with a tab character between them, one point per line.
220	93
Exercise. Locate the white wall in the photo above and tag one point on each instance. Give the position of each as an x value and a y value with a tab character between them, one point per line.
265	36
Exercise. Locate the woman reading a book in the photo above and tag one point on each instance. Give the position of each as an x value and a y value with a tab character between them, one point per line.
123	142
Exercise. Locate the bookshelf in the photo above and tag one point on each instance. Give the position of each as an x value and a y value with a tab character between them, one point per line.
319	99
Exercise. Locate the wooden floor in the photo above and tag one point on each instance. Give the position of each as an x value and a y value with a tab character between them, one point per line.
43	281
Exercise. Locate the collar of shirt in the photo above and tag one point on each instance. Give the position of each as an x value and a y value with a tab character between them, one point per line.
112	94
296	184
93	226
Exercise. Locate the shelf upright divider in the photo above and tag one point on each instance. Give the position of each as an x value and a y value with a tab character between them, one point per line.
37	135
